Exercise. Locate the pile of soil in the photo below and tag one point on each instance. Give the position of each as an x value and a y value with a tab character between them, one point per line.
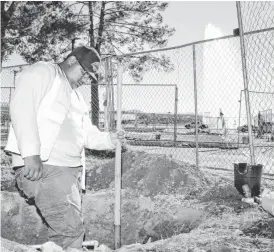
149	174
7	178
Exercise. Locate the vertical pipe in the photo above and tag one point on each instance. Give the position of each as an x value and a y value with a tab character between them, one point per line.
106	98
175	115
14	77
10	95
9	118
196	107
118	156
239	121
112	114
246	90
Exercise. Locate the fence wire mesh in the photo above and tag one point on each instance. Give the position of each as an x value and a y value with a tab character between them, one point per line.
259	49
159	106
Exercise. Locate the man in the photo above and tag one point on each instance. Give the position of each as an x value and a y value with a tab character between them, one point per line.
50	129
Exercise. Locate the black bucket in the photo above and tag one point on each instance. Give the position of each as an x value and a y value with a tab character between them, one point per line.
250	175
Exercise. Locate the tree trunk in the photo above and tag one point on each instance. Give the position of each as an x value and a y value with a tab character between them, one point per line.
101	28
95	108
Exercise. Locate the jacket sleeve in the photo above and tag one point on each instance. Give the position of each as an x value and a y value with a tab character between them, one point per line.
32	85
96	139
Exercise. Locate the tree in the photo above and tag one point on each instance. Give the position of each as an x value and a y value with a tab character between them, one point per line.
126	26
45	30
37	30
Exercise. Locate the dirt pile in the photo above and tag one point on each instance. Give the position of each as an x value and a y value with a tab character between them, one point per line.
149	174
7	178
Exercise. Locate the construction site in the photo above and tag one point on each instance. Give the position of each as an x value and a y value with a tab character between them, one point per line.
195	135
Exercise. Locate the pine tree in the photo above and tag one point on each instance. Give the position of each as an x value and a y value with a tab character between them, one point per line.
47	30
37	30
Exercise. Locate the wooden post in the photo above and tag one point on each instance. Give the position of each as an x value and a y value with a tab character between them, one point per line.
118	167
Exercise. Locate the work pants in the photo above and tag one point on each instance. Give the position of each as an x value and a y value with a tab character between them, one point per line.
58	198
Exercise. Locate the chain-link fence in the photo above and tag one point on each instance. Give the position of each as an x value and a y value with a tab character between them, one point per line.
256	20
191	102
216	94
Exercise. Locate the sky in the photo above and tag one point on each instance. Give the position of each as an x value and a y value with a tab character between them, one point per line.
189	18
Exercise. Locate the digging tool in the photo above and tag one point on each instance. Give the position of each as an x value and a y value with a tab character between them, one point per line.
118	156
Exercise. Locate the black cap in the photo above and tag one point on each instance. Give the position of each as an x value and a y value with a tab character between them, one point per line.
88	58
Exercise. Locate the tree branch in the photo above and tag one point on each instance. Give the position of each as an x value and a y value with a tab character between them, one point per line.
110	38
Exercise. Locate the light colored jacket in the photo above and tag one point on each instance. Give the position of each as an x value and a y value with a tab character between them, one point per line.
50	115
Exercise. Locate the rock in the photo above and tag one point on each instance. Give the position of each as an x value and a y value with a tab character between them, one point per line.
51	247
238	232
20	248
20	221
103	248
11	246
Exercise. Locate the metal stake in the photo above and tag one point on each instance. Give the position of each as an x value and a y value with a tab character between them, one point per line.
196	107
117	210
239	122
245	79
175	115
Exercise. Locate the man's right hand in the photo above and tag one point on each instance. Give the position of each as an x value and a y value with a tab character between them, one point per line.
33	167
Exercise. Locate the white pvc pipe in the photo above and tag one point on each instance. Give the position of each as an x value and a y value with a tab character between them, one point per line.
118	156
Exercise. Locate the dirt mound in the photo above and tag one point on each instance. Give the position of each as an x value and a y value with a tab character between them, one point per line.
7	178
150	174
263	228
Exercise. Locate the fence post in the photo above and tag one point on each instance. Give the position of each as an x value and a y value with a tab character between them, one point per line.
196	106
175	115
118	168
112	114
239	122
245	79
106	98
14	77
